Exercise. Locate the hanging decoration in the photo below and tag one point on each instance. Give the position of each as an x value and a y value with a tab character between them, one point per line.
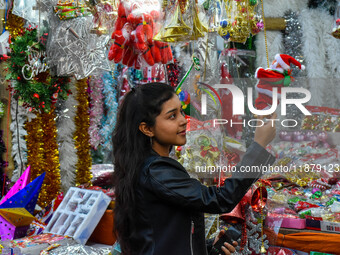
14	25
36	64
173	72
73	50
135	27
43	155
81	135
66	112
110	88
241	20
40	92
96	109
19	116
183	22
104	14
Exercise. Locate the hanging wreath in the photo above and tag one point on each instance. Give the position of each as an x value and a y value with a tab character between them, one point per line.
33	82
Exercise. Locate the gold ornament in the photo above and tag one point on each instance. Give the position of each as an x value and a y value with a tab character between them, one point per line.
178	30
14	25
240	19
175	30
81	135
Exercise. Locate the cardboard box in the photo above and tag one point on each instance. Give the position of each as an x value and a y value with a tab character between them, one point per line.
103	233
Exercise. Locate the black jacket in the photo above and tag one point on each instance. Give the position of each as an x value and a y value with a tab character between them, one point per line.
169	216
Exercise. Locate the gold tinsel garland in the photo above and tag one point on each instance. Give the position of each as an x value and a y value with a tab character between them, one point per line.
14	25
43	155
81	135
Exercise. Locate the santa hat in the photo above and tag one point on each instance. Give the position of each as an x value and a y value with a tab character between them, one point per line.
285	61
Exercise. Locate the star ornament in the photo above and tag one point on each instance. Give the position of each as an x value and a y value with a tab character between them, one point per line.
16	212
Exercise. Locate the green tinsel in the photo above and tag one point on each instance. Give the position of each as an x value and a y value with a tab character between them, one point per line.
41	92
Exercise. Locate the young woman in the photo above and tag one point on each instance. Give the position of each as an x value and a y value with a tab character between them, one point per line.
159	208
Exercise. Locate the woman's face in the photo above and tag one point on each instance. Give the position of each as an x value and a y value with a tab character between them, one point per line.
170	127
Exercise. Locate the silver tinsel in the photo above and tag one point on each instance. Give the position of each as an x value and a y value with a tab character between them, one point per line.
79	249
293	47
292	40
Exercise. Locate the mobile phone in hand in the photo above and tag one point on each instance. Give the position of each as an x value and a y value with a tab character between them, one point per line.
231	234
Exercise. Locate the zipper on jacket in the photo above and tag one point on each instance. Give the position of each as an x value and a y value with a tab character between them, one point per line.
191	233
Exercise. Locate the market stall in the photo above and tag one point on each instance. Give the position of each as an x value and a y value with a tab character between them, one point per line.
67	65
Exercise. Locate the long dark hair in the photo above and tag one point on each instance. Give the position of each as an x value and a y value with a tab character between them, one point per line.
130	149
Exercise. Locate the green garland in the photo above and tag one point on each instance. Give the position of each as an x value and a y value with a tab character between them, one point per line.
41	92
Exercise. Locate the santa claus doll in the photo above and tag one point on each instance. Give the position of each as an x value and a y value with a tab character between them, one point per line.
277	76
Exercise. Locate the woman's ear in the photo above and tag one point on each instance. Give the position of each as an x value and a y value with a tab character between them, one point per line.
145	129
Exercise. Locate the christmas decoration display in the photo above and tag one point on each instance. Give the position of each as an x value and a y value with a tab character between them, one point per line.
241	20
40	92
277	76
136	24
81	135
60	128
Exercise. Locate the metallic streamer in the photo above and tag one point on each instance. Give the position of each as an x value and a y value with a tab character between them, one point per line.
79	249
81	135
97	110
43	155
293	46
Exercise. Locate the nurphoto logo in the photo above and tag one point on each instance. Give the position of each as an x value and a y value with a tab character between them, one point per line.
239	105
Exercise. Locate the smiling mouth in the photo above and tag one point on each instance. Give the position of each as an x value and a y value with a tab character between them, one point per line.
182	132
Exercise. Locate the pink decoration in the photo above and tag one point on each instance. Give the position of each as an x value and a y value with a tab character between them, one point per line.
9	231
286	136
20	184
315	190
17	210
322	136
96	110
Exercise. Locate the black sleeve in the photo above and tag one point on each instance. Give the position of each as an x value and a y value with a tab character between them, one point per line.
170	181
209	244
